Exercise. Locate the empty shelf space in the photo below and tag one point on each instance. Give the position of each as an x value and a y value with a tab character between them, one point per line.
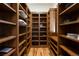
35	40
22	34
22	51
7	38
11	52
35	43
21	7
53	49
5	6
70	52
70	9
55	38
53	44
22	42
6	22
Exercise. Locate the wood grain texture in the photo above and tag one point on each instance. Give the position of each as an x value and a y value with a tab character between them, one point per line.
39	52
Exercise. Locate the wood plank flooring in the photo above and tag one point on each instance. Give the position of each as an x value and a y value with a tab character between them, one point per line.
39	52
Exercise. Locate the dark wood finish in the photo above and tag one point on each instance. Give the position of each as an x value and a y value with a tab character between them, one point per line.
38	19
68	22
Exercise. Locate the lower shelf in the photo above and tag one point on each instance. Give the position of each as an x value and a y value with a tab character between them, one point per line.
22	51
70	52
11	52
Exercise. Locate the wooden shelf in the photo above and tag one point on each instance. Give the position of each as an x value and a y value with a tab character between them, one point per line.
5	6
7	38
22	42
44	36
11	52
71	8
6	22
52	52
43	17
22	34
35	17
29	37
35	40
43	22
22	8
53	44
64	36
70	52
55	38
69	23
22	51
34	22
53	49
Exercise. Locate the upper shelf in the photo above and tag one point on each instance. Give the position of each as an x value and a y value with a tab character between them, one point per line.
64	36
4	6
69	23
71	8
6	22
55	38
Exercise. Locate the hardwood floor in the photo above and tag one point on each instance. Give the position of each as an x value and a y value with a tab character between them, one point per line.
39	52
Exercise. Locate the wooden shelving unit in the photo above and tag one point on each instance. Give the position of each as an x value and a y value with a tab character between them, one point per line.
39	29
53	45
14	34
68	23
8	28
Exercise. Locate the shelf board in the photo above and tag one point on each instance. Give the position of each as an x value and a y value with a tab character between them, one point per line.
44	36
64	36
22	34
22	51
43	31
5	6
35	36
43	40
11	52
53	44
43	27
71	8
70	52
55	38
35	17
29	37
22	42
6	22
43	22
69	23
35	27
52	52
35	22
53	49
35	40
43	17
28	43
35	31
22	8
7	38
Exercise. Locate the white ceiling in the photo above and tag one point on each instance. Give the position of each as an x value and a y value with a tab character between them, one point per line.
41	7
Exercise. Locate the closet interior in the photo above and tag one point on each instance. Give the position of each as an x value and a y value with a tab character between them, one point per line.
21	30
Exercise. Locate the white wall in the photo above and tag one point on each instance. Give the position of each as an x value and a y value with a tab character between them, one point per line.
41	7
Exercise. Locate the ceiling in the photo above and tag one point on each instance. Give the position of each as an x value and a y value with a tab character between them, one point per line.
41	7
